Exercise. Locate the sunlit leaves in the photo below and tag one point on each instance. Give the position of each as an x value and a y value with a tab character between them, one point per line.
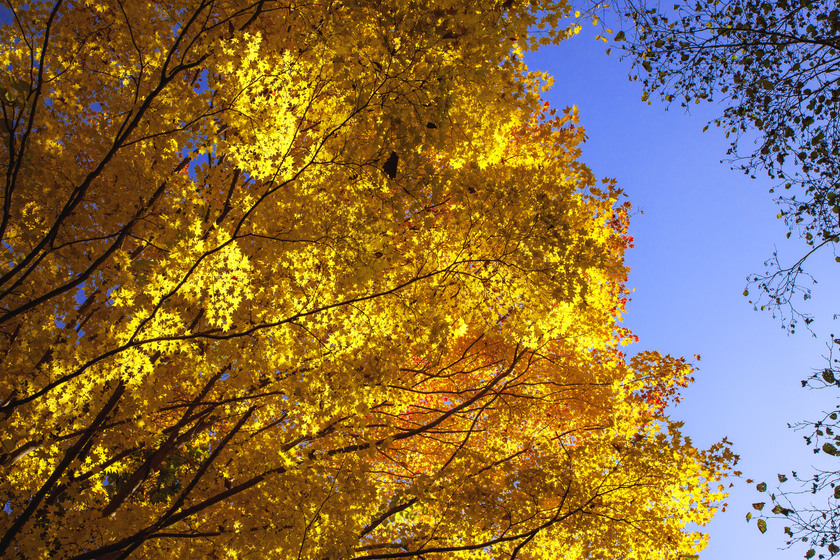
254	304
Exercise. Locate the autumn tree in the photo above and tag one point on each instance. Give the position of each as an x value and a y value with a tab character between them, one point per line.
319	281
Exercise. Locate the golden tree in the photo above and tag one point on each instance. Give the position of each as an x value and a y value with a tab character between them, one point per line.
318	280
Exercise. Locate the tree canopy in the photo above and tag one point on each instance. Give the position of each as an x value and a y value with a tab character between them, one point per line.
319	281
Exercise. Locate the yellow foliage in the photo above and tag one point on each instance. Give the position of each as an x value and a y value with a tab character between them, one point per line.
318	281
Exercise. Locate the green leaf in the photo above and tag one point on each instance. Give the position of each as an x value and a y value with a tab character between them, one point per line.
830	449
810	553
762	526
761	487
620	36
646	65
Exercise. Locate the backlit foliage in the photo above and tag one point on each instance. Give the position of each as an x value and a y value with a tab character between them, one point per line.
318	281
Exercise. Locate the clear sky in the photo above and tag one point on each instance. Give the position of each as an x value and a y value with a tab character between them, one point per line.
699	229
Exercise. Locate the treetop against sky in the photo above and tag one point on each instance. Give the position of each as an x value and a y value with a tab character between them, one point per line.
320	281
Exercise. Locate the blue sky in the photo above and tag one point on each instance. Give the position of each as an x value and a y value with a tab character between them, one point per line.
699	229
